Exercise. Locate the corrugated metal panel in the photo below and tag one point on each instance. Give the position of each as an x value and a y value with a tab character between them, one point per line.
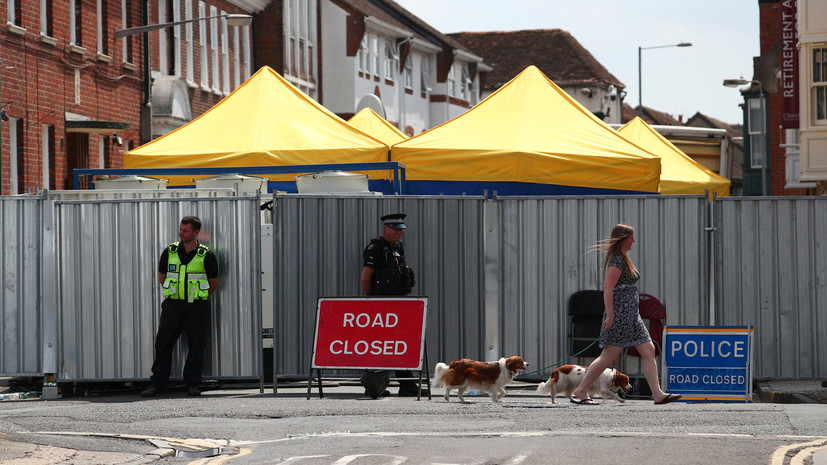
318	253
772	274
110	296
21	312
545	257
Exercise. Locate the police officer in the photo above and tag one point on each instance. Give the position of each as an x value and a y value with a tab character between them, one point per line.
188	272
384	272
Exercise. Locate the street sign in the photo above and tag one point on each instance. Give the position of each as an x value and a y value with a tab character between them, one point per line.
385	333
709	363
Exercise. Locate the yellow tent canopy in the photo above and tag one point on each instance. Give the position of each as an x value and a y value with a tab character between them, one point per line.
679	173
527	137
265	121
369	122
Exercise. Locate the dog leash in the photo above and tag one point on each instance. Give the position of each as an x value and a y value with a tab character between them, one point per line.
564	360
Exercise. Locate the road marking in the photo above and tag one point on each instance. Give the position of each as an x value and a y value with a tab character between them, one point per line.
397	459
517	460
780	453
804	454
302	457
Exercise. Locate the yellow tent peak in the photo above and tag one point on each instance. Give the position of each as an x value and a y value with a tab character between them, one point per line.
265	121
371	123
680	174
529	130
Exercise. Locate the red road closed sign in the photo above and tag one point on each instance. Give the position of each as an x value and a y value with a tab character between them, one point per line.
375	333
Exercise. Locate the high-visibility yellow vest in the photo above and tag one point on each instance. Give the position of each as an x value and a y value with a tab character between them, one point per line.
193	274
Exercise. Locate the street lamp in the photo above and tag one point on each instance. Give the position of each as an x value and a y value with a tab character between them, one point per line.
146	117
232	20
765	154
639	73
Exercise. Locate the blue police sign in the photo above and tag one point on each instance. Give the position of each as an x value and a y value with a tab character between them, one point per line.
709	363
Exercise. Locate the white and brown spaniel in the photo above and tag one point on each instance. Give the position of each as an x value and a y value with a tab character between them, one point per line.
490	377
566	379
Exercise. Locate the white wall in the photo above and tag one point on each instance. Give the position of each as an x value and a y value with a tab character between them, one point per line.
338	73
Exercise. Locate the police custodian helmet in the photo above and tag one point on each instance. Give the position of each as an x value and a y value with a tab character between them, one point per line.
395	220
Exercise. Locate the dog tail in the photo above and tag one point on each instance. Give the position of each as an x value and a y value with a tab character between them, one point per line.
439	371
545	386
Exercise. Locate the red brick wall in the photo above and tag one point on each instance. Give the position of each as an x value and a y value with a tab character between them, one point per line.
37	83
269	39
38	86
770	33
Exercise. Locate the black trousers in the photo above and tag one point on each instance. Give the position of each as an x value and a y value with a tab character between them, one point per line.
192	319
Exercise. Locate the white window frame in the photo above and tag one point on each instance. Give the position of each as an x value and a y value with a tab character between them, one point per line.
124	25
245	30
14	187
363	55
44	27
162	37
225	56
45	144
757	136
450	83
188	43
374	53
424	74
216	86
73	39
10	7
202	41
818	92
176	37
101	150
389	60
236	56
99	21
409	72
465	84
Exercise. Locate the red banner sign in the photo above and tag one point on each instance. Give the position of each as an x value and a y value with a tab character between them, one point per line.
375	333
789	65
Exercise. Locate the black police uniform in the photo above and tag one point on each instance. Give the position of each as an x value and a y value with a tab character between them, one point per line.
391	276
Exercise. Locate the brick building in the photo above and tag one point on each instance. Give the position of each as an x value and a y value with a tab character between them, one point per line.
75	97
780	139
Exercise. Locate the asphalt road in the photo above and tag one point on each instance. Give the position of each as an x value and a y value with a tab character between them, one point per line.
243	426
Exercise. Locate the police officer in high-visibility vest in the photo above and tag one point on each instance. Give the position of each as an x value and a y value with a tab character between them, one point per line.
188	272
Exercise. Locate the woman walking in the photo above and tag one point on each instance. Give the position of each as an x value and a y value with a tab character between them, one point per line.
622	325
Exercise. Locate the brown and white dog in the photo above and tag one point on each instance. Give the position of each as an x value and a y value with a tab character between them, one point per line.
566	379
490	377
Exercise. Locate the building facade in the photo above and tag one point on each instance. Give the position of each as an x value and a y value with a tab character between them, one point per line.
812	50
352	54
75	97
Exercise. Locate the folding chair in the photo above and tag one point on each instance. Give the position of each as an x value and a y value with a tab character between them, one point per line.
653	312
586	315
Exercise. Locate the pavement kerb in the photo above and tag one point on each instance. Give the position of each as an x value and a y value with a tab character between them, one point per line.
767	395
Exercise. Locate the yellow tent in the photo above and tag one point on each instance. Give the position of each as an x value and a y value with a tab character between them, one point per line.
528	137
679	173
369	122
265	121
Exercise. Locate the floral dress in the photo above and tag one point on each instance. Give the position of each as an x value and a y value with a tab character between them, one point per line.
628	329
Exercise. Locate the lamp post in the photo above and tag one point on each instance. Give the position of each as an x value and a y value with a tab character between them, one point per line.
146	114
639	71
232	20
765	155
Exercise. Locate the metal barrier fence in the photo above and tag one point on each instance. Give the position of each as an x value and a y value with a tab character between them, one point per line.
80	297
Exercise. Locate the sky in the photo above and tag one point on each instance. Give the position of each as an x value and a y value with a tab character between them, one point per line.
676	80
